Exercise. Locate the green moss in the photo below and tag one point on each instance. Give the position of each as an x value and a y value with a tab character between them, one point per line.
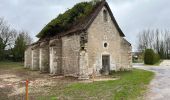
70	18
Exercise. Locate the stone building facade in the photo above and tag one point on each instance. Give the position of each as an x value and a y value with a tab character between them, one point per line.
98	48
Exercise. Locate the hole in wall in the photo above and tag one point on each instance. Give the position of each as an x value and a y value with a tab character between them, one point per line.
105	45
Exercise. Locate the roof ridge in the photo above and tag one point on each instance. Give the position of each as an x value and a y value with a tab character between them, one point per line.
93	14
82	24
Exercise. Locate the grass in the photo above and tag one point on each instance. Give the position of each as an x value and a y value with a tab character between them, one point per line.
48	98
131	86
8	64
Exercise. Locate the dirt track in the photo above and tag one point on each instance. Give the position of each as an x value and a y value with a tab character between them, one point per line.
12	83
159	88
13	77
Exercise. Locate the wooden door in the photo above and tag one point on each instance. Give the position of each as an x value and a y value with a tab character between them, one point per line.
105	64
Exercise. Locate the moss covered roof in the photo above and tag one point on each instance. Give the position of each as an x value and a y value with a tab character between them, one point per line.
67	20
77	19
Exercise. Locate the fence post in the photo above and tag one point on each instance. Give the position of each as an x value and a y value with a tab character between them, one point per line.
27	89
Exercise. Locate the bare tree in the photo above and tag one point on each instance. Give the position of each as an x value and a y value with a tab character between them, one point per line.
144	40
167	43
7	35
157	40
12	42
27	37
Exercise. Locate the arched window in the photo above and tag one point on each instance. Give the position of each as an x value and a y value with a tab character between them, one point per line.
105	16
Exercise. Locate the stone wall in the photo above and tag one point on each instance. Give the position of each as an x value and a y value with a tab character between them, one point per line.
44	57
35	57
28	57
56	57
99	33
126	57
83	73
70	55
80	55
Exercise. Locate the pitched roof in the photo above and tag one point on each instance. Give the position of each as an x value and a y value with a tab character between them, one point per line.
84	24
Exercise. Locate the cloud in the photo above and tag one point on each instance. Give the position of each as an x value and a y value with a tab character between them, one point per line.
132	16
32	15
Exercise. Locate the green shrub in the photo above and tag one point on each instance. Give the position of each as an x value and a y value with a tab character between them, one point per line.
150	57
157	58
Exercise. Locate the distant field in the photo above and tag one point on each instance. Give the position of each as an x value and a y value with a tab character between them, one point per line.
14	65
130	86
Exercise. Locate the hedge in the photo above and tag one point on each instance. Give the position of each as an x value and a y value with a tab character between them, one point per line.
150	57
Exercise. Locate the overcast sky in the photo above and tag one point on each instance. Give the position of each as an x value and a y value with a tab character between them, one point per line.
133	16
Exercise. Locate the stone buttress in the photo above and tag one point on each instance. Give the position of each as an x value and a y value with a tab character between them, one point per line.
44	57
28	57
55	56
35	57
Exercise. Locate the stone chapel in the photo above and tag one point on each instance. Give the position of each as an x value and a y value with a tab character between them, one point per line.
90	42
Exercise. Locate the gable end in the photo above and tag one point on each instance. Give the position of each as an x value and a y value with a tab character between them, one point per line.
94	15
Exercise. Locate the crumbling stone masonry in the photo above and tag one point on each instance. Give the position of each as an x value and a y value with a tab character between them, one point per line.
83	74
56	57
95	47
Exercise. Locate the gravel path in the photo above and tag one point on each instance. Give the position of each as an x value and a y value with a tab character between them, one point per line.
160	85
